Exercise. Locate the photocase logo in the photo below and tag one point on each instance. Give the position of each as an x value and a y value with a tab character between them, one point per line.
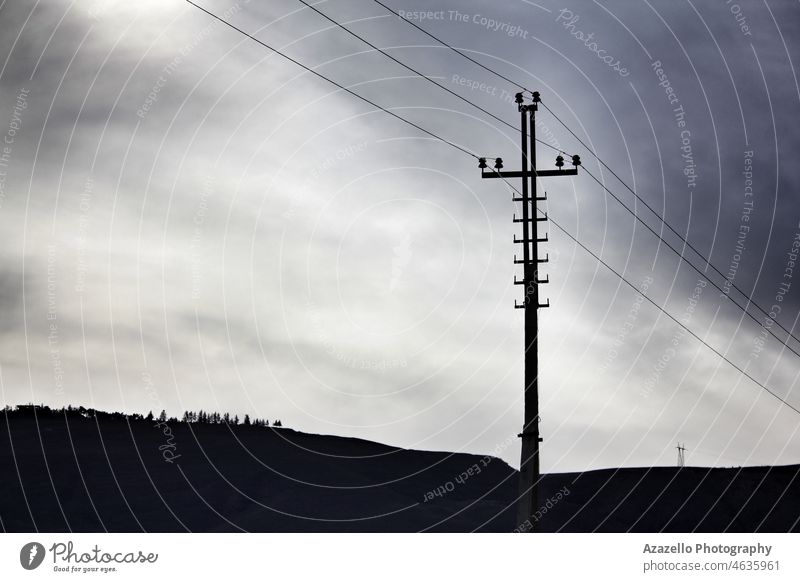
31	555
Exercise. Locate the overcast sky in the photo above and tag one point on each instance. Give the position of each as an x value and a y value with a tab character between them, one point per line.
190	221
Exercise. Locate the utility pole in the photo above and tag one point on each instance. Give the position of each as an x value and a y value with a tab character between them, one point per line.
529	463
681	455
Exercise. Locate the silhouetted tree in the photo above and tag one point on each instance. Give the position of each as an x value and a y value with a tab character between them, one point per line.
188	416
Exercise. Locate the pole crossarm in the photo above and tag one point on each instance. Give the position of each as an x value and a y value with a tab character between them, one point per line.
537	173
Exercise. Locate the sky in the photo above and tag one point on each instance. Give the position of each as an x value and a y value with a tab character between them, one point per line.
190	221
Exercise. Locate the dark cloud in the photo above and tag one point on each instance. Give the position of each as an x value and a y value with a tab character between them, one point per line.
230	232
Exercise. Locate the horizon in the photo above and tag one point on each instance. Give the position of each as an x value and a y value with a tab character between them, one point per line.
240	422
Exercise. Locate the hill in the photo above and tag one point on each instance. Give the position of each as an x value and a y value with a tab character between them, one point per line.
91	471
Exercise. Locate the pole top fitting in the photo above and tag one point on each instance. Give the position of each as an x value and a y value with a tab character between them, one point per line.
482	163
576	161
536	98
498	163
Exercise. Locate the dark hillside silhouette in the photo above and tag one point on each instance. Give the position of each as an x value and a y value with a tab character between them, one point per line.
85	470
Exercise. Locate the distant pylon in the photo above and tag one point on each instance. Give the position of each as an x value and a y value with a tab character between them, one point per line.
681	455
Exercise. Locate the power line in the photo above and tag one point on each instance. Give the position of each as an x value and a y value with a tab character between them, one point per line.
416	72
697	337
682	257
402	64
683	239
469	58
332	82
656	305
455	50
475	156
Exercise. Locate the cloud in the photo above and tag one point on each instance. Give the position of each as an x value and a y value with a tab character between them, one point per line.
245	237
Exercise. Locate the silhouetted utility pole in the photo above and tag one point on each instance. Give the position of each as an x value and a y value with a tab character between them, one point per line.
681	455
529	463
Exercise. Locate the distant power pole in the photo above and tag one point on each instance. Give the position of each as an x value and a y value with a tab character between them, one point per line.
681	455
529	463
